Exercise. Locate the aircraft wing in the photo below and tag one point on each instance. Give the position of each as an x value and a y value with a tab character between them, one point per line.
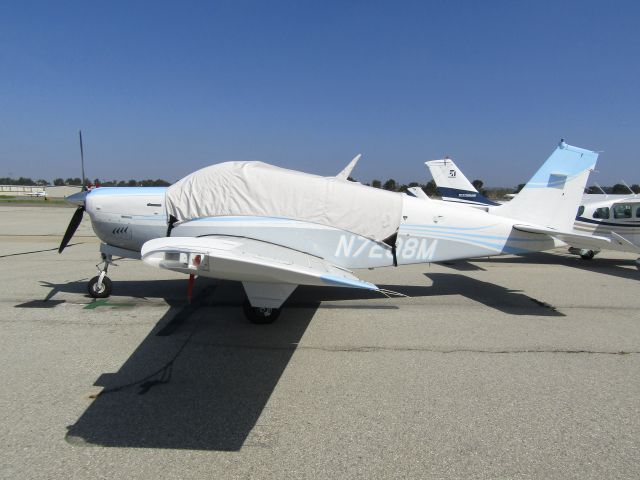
246	260
580	240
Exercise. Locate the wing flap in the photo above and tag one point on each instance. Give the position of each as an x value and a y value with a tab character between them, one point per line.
246	260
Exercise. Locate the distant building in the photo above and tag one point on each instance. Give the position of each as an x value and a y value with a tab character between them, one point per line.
22	190
62	191
38	191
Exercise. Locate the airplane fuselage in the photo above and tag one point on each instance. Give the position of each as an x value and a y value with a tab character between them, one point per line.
605	216
430	231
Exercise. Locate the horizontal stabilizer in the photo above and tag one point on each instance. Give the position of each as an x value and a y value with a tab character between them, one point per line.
572	238
623	242
246	260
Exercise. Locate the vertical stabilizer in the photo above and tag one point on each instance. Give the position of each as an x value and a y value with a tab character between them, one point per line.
346	171
552	197
452	185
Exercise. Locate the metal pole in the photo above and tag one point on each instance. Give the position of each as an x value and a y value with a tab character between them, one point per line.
84	183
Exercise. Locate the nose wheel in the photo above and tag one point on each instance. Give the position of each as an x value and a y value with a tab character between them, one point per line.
100	286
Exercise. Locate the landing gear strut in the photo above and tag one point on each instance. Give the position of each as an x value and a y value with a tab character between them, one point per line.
100	286
260	315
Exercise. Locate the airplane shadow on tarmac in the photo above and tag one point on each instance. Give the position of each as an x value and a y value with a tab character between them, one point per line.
227	368
622	268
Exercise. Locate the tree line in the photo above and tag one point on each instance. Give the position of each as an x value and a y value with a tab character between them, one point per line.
77	181
112	183
497	192
429	188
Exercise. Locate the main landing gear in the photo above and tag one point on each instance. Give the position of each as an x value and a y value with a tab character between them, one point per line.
264	300
101	286
584	253
260	315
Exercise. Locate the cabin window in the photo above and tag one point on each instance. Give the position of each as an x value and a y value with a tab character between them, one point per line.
602	212
622	210
580	211
638	212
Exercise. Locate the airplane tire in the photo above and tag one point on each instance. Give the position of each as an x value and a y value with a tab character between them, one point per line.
588	255
260	315
103	292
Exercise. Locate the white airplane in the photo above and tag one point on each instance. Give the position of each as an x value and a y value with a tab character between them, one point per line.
616	217
38	193
274	229
453	186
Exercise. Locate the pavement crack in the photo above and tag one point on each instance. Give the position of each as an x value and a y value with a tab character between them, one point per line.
374	349
37	251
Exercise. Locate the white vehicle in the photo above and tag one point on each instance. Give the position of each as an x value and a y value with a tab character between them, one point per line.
615	217
274	229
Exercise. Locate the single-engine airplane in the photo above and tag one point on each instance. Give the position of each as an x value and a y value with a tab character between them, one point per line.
274	229
612	221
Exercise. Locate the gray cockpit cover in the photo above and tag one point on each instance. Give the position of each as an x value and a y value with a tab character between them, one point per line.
260	189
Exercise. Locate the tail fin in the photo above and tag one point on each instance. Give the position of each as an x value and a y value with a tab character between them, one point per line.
452	185
552	197
346	171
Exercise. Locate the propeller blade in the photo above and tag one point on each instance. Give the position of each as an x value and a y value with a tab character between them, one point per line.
71	229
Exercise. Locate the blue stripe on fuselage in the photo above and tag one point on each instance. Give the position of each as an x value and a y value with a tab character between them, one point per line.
466	195
636	223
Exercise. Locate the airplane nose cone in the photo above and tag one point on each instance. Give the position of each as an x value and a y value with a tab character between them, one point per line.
77	198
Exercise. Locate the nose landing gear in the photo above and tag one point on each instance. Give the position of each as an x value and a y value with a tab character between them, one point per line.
100	286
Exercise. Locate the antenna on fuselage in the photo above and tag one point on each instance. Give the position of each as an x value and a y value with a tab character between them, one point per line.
629	188
601	189
84	180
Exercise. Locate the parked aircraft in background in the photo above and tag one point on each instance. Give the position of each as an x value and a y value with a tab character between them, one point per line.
453	186
274	229
616	217
39	193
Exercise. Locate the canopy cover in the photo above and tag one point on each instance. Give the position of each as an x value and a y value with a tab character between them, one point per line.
260	189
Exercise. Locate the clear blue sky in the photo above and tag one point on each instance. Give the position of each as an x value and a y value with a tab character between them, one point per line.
161	89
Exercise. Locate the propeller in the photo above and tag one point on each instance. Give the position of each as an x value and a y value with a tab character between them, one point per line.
78	199
71	229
